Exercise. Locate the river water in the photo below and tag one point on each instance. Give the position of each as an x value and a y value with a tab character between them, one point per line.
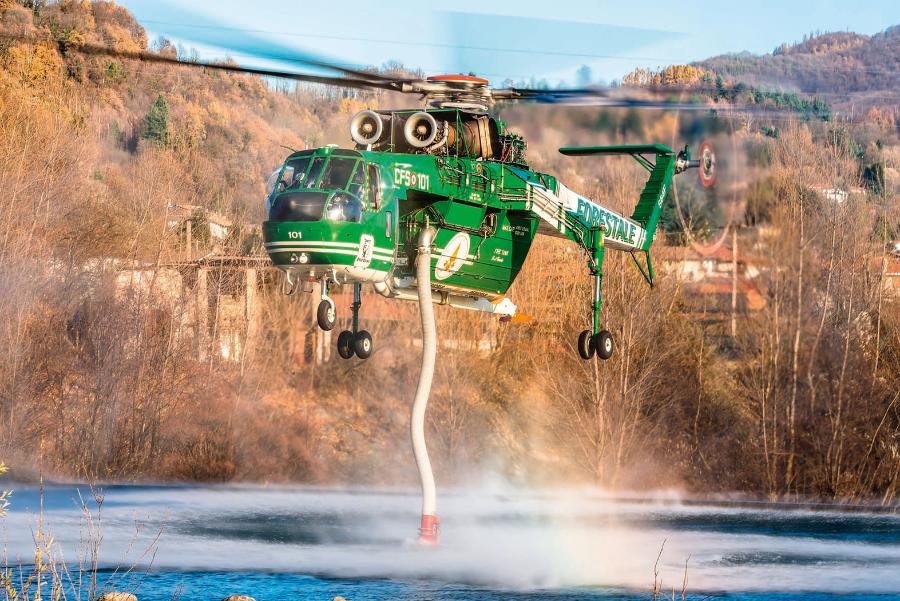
166	542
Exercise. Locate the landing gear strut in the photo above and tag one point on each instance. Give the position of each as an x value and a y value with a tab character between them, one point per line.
596	341
358	342
326	315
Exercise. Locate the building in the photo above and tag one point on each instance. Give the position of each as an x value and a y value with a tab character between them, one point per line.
199	227
713	279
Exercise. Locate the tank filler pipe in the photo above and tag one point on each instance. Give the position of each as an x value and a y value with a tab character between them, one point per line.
428	533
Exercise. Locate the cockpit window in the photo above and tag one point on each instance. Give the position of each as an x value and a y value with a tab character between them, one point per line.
358	181
374	188
337	173
295	173
272	181
314	171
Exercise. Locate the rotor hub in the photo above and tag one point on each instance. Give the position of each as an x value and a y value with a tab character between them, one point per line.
458	91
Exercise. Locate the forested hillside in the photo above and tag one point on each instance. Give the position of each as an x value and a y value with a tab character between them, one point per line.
843	67
106	376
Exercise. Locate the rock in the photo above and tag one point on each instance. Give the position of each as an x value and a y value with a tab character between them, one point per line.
116	596
238	598
338	599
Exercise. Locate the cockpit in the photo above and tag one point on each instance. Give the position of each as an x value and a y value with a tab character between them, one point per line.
333	184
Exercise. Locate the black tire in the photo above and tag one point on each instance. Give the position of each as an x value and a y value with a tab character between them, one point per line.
603	343
362	344
585	345
326	316
345	344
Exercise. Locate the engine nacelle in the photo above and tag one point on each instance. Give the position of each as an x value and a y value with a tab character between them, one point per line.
367	127
449	132
420	130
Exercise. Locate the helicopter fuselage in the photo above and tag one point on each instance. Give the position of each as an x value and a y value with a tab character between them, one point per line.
485	213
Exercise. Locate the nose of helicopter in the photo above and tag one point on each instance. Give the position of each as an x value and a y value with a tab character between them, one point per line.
316	230
338	206
302	206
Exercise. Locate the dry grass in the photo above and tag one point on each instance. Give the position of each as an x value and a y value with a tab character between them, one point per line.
52	576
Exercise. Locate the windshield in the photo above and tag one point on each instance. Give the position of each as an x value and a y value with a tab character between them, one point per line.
337	173
298	206
294	172
358	182
314	172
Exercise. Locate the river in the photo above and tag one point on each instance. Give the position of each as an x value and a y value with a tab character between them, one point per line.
204	542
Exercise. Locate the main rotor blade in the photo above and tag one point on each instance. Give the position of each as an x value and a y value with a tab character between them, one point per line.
186	23
614	98
592	97
152	57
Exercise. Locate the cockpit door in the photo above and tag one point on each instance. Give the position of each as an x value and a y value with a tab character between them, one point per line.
374	191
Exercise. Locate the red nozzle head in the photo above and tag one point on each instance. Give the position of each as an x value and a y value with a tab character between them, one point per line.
431	526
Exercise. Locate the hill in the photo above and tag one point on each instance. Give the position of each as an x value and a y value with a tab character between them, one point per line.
844	67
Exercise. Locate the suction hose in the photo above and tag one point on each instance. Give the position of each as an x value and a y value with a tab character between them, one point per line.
428	533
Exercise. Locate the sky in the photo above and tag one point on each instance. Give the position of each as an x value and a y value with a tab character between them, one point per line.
520	41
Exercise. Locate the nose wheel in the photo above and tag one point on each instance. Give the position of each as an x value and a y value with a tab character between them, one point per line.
326	314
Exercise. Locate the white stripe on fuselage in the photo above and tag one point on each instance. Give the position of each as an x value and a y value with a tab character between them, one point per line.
332	251
336	247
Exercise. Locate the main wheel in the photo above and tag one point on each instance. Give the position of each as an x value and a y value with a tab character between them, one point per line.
362	344
603	342
585	345
345	344
326	316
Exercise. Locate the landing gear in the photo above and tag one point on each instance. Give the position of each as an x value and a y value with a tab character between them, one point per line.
603	344
596	341
326	315
586	345
345	344
600	344
358	342
362	344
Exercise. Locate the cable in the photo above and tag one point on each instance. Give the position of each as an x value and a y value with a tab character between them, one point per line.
408	43
668	60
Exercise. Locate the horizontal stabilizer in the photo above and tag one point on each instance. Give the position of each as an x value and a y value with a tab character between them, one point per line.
577	151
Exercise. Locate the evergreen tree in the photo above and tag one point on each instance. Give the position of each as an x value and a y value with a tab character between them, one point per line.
156	124
633	123
606	121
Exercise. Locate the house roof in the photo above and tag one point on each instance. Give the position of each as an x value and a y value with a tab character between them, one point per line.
718	252
722	286
181	212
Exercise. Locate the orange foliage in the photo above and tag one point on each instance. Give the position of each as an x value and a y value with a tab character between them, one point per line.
673	75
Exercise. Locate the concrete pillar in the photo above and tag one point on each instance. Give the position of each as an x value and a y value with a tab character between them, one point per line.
251	309
188	239
201	313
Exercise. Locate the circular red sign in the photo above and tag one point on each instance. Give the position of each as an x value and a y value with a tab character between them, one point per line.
707	170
